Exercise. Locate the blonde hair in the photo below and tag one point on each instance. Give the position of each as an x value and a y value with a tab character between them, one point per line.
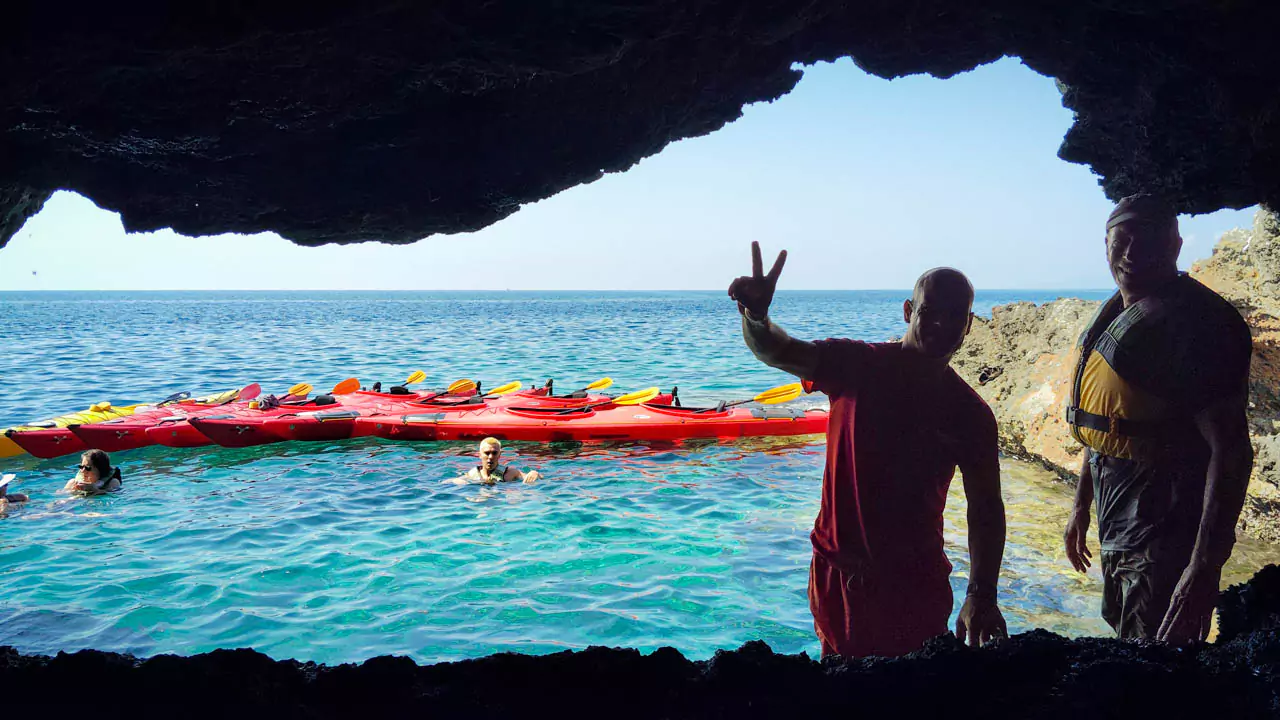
491	441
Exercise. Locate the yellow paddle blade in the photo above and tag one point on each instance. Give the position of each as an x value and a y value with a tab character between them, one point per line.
417	377
300	390
780	394
510	387
457	387
637	397
345	387
100	407
221	398
601	384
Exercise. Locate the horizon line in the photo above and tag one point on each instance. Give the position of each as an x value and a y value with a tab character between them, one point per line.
520	290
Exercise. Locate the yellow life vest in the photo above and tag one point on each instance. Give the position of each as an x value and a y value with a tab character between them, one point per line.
1104	393
1143	371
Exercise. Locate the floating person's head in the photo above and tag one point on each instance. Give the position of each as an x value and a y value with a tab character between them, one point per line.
939	312
6	497
490	451
94	466
1143	242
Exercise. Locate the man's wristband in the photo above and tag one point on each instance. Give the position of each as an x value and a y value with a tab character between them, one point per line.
751	318
982	592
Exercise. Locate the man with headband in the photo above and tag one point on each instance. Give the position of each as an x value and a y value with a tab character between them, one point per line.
901	422
1158	400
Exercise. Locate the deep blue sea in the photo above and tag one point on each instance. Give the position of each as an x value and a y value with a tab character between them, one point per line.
338	552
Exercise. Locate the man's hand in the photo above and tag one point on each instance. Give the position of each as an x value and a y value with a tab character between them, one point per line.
531	477
755	292
1076	539
1191	608
979	621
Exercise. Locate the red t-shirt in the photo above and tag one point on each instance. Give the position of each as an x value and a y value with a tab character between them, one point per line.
894	440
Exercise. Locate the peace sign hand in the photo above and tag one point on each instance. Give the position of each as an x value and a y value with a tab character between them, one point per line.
754	293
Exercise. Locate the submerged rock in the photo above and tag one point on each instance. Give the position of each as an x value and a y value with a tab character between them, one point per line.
1036	674
1021	361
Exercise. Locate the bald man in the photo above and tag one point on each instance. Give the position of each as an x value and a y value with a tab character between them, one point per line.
490	471
901	422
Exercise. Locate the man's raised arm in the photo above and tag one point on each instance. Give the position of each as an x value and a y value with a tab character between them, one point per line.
770	343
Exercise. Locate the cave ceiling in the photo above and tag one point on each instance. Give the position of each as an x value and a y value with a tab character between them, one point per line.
394	121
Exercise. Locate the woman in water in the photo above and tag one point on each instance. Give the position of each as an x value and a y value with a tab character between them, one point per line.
95	474
7	498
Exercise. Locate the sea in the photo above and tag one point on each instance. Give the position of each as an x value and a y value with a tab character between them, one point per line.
340	551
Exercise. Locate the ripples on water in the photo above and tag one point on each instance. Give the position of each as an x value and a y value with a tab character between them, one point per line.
338	552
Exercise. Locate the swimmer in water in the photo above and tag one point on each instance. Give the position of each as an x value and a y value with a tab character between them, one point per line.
489	471
95	474
7	498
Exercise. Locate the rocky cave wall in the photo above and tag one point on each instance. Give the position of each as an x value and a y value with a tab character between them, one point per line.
391	121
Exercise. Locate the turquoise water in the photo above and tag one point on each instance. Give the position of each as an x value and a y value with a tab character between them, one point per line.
338	552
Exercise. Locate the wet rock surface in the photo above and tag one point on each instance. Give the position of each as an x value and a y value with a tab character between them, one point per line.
392	121
1035	674
1021	361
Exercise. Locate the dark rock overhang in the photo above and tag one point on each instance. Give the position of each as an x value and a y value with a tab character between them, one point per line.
392	121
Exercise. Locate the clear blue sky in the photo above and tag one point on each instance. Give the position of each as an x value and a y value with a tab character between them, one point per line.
866	182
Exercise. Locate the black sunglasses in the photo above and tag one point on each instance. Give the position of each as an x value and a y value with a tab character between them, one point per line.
86	467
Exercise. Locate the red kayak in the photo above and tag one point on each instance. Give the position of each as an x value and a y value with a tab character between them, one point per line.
128	433
313	425
180	433
649	421
373	425
239	425
125	433
342	423
58	436
242	427
131	432
47	442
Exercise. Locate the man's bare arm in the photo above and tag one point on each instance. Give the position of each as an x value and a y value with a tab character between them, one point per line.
775	348
986	527
1226	431
513	474
770	343
1076	537
980	618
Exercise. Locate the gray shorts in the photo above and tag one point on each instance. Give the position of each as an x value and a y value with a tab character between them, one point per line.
1148	516
1137	586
